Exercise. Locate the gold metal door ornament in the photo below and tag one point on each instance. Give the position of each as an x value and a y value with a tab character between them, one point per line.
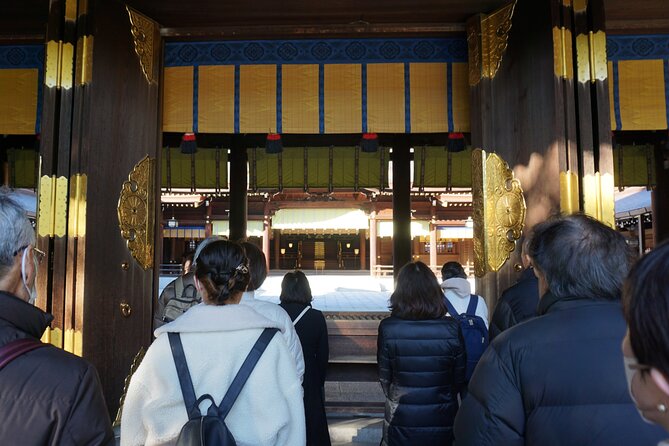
487	38
136	211
143	31
499	211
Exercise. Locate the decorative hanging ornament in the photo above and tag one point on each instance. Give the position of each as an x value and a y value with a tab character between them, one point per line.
273	143
188	143
369	142
456	142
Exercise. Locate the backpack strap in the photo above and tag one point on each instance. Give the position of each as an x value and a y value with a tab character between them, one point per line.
178	287
245	371
14	349
450	308
187	389
473	303
299	316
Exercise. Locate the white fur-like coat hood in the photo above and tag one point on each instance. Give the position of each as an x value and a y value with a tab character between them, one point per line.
216	341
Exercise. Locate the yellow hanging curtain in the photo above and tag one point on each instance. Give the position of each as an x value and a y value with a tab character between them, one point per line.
343	98
178	99
216	99
18	106
257	98
385	98
299	98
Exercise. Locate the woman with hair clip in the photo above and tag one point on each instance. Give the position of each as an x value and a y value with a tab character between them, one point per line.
421	359
217	336
646	345
313	333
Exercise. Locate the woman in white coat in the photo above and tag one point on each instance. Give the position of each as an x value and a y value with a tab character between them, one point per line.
217	335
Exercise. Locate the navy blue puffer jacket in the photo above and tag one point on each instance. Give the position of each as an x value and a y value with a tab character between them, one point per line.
556	379
421	368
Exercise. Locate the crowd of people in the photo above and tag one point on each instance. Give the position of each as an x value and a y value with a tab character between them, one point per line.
577	352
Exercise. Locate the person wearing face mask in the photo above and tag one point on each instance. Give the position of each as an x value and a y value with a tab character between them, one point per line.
646	345
558	378
47	396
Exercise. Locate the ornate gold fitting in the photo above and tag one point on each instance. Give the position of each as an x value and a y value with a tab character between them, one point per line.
499	211
136	207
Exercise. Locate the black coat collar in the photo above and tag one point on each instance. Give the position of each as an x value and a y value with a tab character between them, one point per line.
24	316
549	303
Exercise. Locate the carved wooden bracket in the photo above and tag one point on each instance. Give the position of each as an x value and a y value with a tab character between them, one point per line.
499	211
136	211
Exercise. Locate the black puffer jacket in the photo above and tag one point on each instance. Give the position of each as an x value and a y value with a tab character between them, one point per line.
518	303
422	369
47	396
557	379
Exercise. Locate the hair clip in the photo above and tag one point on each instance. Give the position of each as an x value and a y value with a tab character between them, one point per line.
242	269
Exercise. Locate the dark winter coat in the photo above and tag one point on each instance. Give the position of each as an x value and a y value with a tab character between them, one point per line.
557	379
518	303
47	396
421	369
313	334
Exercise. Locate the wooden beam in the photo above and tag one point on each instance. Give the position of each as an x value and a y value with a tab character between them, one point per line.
330	30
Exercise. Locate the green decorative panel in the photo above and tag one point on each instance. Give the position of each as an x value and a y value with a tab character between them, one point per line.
435	163
23	168
634	166
181	172
318	165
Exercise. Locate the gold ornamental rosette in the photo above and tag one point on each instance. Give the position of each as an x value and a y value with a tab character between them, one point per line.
499	211
136	207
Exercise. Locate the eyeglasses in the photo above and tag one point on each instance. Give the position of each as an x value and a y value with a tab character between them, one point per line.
39	254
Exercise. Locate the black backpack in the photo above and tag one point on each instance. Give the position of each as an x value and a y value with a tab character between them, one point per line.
211	429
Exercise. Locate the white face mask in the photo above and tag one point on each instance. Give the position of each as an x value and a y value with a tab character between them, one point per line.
629	374
32	291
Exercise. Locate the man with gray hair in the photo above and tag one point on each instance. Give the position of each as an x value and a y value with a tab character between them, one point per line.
47	396
558	378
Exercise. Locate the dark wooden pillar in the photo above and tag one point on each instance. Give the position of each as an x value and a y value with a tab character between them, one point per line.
660	195
238	190
100	119
401	203
544	110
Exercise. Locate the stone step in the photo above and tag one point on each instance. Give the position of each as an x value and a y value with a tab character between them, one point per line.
348	430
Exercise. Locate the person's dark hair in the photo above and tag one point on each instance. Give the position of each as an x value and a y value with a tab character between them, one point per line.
257	265
646	307
222	269
451	270
417	294
580	257
295	289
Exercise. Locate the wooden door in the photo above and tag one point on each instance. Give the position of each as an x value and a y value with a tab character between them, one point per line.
98	125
